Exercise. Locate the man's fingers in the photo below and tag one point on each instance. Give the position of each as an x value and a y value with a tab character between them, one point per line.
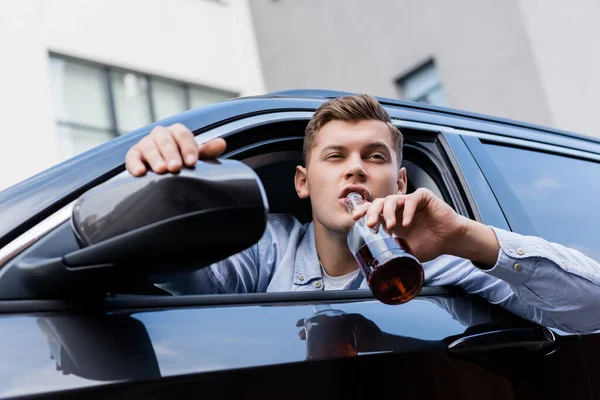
414	202
187	145
410	207
165	143
360	211
134	163
212	149
390	206
374	212
167	149
152	156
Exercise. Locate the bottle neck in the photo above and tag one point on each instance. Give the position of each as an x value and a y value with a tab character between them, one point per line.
353	201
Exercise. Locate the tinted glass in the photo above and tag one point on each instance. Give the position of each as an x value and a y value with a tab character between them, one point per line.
559	194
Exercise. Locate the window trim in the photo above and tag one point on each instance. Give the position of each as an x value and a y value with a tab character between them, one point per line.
148	302
514	212
477	190
486	138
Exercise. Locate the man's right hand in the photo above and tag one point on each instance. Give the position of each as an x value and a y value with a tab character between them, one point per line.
166	149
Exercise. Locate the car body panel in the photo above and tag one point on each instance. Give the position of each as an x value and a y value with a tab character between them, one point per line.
68	350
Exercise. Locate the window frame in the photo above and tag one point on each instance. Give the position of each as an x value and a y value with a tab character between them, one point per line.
401	82
107	73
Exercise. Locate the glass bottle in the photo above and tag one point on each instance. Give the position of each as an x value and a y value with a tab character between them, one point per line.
394	275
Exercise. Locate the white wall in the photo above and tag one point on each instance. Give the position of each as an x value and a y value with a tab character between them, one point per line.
207	42
564	39
481	50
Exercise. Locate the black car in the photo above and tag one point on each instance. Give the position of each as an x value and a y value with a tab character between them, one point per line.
79	243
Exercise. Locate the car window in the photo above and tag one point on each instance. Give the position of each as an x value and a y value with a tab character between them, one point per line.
559	194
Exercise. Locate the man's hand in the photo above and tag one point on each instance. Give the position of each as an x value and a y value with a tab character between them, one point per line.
166	149
431	228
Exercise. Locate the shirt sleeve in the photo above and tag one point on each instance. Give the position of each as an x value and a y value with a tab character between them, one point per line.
249	271
562	283
235	274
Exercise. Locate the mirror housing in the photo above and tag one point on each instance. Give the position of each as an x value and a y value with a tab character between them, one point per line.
162	222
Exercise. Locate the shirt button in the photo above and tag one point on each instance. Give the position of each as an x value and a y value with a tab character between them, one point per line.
517	267
301	277
318	284
565	265
520	251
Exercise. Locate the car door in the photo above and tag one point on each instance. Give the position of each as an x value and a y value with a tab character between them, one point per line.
260	346
548	191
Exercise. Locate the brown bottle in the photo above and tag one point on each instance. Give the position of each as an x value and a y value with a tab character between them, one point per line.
394	275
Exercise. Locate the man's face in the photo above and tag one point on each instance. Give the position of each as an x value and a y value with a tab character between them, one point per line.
348	157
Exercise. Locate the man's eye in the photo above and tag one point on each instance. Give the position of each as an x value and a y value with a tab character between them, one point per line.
333	156
377	157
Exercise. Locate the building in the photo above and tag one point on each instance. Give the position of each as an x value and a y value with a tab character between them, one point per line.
77	73
530	60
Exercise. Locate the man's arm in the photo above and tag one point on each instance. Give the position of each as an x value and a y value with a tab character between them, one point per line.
561	282
168	149
542	281
476	242
238	273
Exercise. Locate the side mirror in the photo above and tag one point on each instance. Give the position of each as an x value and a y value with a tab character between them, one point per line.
131	228
162	222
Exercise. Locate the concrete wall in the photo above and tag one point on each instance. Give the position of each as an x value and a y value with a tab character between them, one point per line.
565	42
481	49
207	42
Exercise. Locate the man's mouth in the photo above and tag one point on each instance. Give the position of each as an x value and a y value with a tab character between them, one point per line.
362	190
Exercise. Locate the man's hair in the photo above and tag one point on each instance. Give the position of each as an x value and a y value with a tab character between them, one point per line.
354	108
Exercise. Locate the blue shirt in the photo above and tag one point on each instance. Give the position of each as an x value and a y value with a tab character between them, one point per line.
541	281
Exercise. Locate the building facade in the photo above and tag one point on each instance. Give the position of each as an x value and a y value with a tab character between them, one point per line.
77	73
530	60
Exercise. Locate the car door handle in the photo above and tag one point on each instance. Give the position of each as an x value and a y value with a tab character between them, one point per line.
532	339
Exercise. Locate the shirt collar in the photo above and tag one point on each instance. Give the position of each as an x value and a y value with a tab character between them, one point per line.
306	265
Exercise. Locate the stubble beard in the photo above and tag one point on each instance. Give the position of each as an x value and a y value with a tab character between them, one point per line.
334	223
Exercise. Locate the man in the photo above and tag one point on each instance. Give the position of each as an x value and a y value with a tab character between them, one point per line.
351	145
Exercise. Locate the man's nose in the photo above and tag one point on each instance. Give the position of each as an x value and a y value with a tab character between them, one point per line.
355	170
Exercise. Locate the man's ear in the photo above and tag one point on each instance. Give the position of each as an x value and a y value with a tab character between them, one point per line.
301	182
402	181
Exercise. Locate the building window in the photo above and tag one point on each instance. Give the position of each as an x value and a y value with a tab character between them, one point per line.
422	84
95	103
